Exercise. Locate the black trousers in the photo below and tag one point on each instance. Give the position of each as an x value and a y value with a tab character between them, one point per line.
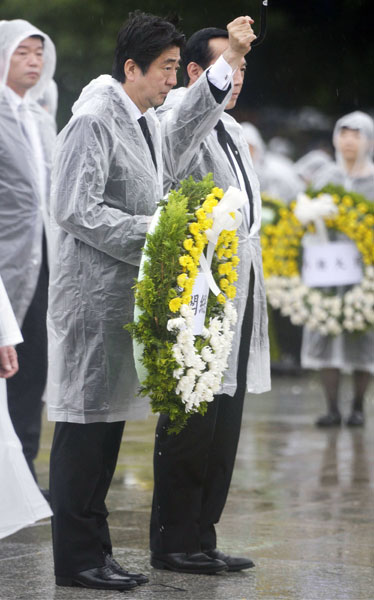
193	469
82	464
25	389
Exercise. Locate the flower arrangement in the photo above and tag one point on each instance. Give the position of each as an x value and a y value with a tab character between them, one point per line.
183	370
321	309
270	208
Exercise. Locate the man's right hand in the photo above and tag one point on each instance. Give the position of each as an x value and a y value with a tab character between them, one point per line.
8	362
241	36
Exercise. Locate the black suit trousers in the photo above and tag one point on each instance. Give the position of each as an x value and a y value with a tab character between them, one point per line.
83	461
193	469
25	389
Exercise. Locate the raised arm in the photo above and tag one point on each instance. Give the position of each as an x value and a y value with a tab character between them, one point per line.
189	117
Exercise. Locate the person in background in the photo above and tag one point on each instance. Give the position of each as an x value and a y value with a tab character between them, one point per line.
49	99
308	166
353	169
21	502
27	134
275	172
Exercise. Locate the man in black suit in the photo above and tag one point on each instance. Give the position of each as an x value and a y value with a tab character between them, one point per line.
192	470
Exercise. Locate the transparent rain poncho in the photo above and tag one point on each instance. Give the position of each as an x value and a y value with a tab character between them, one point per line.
347	351
21	502
198	152
104	190
276	174
360	178
308	166
49	99
21	201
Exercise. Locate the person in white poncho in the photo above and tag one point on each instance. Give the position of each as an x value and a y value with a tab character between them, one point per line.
21	502
27	134
276	173
353	139
193	469
107	180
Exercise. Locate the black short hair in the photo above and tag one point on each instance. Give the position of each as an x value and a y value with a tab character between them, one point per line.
143	38
39	37
197	49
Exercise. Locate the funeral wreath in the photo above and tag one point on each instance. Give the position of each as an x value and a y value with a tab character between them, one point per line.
180	366
329	309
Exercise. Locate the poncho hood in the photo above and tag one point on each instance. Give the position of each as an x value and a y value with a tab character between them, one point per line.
357	120
102	90
12	33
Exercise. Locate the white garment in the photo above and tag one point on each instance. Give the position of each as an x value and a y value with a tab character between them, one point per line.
348	351
29	128
105	191
21	502
194	150
23	172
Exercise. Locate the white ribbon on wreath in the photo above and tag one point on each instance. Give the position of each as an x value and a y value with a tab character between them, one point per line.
226	216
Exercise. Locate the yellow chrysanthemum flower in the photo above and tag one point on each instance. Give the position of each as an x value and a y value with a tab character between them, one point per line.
218	192
188	244
232	276
175	304
194	228
181	280
231	292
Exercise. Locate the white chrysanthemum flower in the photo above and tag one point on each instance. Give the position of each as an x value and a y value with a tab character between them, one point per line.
178	355
177	373
185	337
178	323
207	354
186	310
215	325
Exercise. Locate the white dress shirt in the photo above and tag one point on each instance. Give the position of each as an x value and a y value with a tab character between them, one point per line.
220	74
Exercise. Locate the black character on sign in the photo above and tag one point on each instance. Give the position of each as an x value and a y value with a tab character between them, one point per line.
203	303
195	303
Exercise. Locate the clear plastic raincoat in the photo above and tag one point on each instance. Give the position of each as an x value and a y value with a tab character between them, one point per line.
274	171
21	205
104	191
196	151
347	351
21	502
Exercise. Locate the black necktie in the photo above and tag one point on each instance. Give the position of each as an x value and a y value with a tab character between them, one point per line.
144	127
226	142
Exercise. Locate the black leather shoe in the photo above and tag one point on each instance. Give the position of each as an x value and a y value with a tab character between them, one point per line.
111	562
356	419
100	578
234	563
184	562
332	419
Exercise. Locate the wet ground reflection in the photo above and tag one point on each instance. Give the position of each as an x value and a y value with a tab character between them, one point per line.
301	505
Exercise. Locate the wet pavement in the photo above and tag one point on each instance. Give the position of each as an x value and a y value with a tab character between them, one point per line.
301	506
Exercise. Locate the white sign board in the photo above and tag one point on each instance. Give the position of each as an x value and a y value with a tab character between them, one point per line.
199	299
331	264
